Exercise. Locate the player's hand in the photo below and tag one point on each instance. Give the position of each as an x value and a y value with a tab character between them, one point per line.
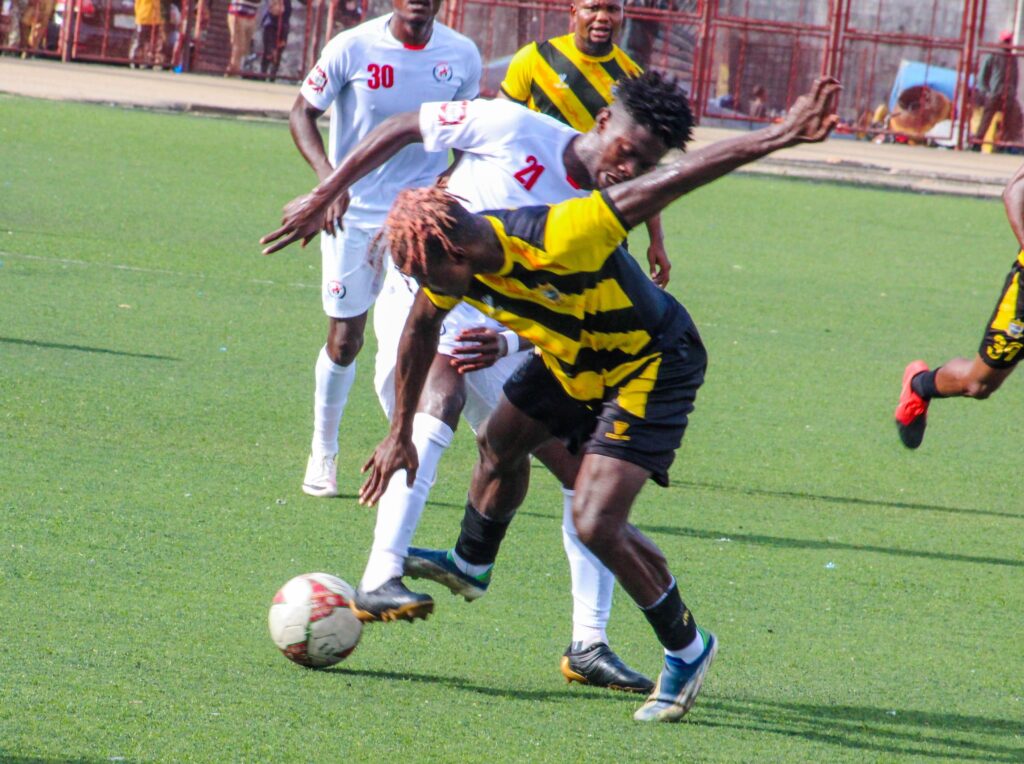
335	214
813	116
393	454
657	258
478	348
303	219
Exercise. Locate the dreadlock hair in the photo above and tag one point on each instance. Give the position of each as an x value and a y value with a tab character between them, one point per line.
419	224
659	104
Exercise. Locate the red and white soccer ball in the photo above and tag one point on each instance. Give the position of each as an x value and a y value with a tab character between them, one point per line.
310	620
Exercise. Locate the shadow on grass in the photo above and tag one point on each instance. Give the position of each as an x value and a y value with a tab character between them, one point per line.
841	499
831	546
458	683
863	728
84	349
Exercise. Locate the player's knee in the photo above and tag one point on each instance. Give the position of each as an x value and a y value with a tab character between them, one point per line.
596	535
495	457
343	350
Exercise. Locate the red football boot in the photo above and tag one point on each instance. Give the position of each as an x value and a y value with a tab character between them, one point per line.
912	411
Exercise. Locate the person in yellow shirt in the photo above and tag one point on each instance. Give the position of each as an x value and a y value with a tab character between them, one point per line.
615	376
147	47
571	77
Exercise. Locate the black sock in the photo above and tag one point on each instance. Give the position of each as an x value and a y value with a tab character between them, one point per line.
672	621
480	537
924	385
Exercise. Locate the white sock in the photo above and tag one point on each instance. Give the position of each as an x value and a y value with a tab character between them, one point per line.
470	568
691	652
401	507
592	583
332	385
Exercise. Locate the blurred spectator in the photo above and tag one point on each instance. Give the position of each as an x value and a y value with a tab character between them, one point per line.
640	34
759	105
997	85
14	11
147	48
35	18
274	23
241	27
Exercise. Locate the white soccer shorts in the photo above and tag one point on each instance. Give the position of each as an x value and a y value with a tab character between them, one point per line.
352	271
483	387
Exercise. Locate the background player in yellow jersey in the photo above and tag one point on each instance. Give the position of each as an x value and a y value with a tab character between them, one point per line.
571	77
1001	349
616	375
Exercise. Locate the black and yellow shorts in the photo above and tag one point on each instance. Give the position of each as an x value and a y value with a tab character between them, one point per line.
1002	345
642	421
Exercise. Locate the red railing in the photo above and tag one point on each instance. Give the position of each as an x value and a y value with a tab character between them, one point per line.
919	57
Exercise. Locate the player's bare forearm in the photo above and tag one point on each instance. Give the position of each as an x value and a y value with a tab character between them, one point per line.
376	148
655	232
306	134
1013	201
416	352
810	120
657	257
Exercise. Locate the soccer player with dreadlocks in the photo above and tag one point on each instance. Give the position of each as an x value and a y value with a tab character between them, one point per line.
617	371
511	157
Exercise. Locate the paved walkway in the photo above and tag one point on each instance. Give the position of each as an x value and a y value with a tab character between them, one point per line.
839	159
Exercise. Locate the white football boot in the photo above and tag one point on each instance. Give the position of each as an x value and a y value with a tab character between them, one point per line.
321	476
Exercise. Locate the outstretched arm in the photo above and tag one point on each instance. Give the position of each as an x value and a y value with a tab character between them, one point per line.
416	352
1013	201
302	215
809	121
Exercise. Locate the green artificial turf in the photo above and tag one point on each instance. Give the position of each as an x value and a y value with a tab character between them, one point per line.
155	406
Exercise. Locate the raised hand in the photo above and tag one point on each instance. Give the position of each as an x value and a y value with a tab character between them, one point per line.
813	116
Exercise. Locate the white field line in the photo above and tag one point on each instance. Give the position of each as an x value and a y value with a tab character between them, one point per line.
139	269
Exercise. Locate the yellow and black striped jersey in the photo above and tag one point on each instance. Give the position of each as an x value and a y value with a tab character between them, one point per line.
569	287
555	78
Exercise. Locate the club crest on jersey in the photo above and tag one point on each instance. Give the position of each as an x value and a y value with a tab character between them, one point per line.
336	290
1015	329
550	293
452	112
317	80
443	72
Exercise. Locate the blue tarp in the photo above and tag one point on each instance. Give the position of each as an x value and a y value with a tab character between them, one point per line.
913	73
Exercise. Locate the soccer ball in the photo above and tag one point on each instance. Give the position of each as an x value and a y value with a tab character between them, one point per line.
310	620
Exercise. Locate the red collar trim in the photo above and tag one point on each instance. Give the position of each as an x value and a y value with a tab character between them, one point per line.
407	46
571	182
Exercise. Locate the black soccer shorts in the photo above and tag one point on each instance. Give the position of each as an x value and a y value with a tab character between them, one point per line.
1004	337
641	421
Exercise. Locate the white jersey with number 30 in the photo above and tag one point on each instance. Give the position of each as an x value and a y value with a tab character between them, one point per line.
368	75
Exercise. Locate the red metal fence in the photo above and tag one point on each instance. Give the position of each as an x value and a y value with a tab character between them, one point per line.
910	68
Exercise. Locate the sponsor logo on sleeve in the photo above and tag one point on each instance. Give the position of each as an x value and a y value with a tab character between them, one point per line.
317	80
452	113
